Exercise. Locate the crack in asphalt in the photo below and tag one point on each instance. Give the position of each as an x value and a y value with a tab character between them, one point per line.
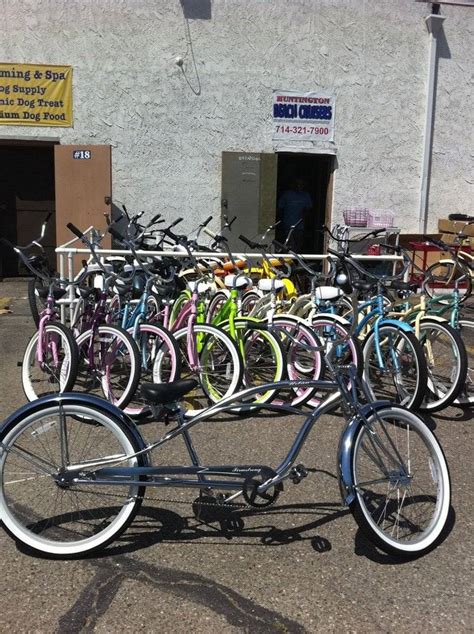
98	595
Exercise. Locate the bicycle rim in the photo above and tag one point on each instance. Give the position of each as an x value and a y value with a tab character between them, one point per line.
40	511
401	483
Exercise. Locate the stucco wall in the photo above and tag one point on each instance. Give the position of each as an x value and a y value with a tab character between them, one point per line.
168	128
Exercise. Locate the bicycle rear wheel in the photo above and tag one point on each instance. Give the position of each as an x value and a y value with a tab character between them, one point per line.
402	376
466	330
302	354
44	509
441	278
446	360
401	483
57	370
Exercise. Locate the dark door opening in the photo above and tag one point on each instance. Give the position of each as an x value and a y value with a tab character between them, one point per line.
26	198
310	173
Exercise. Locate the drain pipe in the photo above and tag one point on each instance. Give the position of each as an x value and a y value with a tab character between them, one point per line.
434	24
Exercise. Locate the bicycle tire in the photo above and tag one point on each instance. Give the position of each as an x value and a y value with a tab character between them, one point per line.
249	301
440	279
331	328
408	381
116	364
466	330
36	302
262	355
58	370
303	358
219	370
446	360
154	340
401	483
57	520
216	303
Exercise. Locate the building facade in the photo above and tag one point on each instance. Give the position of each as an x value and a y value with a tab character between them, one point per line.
183	92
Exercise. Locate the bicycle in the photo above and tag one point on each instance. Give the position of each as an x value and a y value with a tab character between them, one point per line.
74	469
441	276
50	361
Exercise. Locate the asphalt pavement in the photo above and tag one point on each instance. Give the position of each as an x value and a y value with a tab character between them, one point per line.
300	566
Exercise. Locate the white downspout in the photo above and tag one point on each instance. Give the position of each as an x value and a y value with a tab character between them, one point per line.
434	24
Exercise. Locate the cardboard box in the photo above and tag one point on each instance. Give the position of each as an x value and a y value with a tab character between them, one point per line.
455	226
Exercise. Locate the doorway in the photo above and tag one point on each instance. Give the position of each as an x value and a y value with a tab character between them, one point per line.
314	173
26	198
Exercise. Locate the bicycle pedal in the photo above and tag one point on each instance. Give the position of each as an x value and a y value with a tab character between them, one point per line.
298	473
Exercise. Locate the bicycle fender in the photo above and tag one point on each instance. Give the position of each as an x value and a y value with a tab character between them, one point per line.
403	325
340	320
74	398
428	318
344	452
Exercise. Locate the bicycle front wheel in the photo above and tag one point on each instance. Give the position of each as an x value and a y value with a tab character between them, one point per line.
395	366
262	355
50	362
302	354
40	505
211	357
154	342
401	480
109	364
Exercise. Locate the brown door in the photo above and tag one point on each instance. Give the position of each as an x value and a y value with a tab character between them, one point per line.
83	177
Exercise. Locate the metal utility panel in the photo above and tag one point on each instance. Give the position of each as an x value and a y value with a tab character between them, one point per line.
247	194
83	181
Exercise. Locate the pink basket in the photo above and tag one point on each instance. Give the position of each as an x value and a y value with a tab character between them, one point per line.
355	216
380	218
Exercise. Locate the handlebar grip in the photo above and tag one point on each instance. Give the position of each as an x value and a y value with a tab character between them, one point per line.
249	243
210	233
177	221
377	231
154	219
207	221
75	230
48	217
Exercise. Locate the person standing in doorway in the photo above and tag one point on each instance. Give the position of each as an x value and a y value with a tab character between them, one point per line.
295	205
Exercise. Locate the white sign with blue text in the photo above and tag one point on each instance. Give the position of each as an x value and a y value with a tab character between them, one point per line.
301	116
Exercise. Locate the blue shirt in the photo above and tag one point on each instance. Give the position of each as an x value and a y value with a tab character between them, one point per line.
292	204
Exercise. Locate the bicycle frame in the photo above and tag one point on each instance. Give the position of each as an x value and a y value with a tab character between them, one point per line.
106	470
48	315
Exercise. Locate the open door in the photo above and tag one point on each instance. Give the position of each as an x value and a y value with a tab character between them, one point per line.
83	177
248	192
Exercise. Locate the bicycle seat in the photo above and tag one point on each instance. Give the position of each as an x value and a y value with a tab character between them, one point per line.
269	283
362	285
400	285
87	291
121	288
57	292
327	292
240	282
163	393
